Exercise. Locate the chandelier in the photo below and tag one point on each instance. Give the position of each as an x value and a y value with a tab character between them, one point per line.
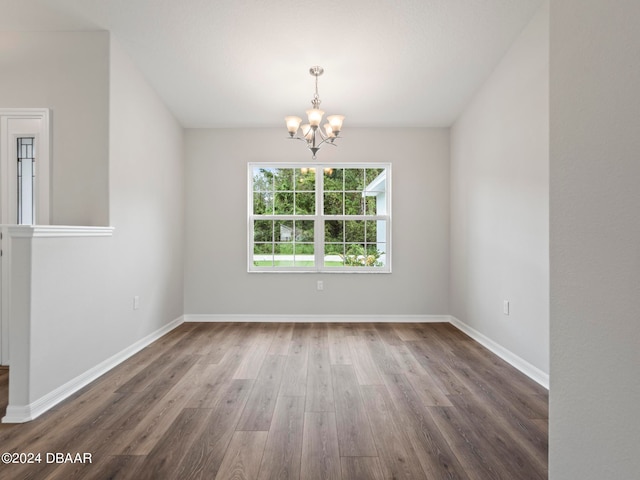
312	135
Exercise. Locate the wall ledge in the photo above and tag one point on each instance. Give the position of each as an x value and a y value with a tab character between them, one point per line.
40	231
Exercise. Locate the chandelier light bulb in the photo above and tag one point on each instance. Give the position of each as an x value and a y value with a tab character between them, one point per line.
336	122
292	124
315	116
306	130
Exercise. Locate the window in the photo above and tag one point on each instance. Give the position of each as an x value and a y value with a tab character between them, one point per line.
319	218
26	180
25	166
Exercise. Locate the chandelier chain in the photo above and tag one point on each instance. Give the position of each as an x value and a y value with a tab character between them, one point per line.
316	98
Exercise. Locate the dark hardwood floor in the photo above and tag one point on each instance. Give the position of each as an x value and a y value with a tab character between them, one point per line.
296	401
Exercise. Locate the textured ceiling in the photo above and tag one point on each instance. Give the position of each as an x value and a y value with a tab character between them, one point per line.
230	63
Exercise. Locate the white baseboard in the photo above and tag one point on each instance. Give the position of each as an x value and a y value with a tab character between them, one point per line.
514	360
25	413
239	318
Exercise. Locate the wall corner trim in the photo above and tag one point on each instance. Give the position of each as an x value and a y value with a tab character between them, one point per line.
534	373
26	413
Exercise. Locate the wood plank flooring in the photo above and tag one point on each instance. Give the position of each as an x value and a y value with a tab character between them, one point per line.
296	401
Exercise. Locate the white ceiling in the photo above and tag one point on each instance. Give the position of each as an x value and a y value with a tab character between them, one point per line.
231	63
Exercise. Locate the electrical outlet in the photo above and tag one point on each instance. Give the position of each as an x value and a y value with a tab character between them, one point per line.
136	302
505	307
320	285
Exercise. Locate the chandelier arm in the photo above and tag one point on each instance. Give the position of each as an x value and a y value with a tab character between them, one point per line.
327	141
322	135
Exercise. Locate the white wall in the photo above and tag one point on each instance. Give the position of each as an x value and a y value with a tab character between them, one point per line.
146	176
59	311
67	72
595	240
499	202
72	306
216	278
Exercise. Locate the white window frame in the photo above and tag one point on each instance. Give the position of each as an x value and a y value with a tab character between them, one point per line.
319	218
16	123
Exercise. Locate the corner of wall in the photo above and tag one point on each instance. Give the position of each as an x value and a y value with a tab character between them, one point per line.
499	202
